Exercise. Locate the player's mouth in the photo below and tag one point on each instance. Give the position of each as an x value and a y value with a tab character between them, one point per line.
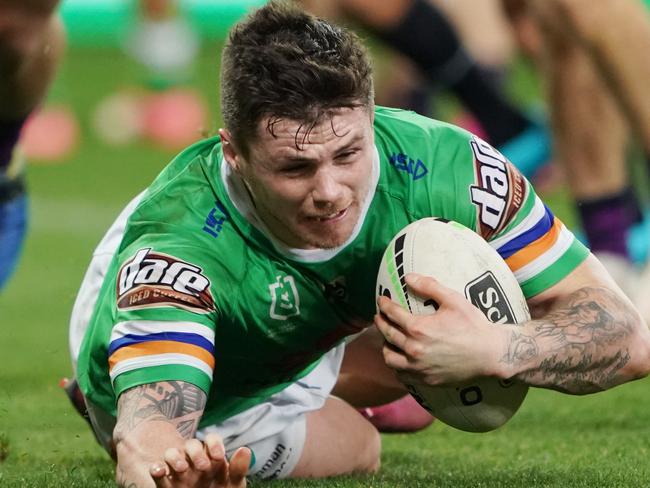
331	217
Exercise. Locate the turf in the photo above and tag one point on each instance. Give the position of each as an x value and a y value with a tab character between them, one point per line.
554	440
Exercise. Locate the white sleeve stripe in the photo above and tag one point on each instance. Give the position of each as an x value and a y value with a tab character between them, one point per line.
144	327
564	241
159	360
537	213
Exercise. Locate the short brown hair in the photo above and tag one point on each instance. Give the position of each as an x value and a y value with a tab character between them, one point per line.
281	62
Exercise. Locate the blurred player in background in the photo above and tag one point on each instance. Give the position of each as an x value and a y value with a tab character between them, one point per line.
163	42
596	66
31	44
485	30
161	108
217	324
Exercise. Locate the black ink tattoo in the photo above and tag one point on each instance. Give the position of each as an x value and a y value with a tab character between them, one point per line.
176	402
579	347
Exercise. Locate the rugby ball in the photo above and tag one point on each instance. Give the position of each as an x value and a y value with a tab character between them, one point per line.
460	259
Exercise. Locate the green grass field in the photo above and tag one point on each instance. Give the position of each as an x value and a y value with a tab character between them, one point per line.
554	440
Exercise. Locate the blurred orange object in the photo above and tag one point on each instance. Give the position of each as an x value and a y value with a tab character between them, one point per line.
174	118
50	134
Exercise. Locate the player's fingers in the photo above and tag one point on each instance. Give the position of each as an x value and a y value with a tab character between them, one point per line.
391	333
394	358
239	464
176	461
160	474
197	455
394	312
428	287
217	453
214	446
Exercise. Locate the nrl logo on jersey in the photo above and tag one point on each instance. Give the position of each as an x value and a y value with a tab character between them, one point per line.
285	302
499	190
153	279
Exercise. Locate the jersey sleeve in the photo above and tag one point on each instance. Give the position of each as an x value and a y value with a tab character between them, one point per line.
164	319
536	245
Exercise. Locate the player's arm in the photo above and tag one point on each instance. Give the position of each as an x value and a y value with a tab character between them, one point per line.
31	44
155	444
161	365
585	336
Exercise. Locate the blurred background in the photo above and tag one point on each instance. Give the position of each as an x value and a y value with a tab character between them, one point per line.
138	82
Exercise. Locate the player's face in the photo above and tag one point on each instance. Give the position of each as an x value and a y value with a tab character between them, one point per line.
309	185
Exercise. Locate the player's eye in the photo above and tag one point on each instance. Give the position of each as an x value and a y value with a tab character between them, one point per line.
347	155
295	169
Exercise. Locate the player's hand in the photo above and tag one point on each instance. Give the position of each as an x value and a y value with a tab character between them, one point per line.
454	344
202	464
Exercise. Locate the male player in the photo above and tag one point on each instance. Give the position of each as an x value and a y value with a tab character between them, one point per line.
220	323
31	43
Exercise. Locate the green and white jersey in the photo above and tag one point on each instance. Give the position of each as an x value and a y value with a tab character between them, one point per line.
199	292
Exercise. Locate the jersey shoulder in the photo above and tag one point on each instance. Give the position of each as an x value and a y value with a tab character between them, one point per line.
180	239
426	164
414	148
405	127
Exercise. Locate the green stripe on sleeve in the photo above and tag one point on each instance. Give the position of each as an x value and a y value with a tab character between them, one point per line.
557	271
155	374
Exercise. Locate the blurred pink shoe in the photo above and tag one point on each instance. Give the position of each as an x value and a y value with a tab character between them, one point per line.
403	415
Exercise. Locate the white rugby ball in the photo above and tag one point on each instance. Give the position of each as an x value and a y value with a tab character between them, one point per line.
460	259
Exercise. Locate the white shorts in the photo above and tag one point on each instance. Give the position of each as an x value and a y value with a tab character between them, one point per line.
274	430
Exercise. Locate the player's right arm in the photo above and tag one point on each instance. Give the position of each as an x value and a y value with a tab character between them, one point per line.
155	444
160	306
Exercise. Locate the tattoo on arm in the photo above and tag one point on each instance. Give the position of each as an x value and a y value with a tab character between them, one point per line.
579	347
177	402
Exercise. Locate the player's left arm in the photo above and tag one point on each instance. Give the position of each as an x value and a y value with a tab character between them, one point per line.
585	336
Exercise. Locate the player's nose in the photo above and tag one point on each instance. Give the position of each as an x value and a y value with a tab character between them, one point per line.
326	189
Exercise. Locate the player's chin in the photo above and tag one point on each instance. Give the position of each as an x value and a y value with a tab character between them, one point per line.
321	240
326	235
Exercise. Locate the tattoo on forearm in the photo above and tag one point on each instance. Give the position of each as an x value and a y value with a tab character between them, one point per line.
176	402
578	347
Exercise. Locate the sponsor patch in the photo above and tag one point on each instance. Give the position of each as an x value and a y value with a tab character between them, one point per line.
499	189
275	465
153	279
486	294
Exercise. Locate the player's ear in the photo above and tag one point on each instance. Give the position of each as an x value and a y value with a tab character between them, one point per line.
230	153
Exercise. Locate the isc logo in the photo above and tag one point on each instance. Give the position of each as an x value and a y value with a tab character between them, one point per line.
154	279
486	294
